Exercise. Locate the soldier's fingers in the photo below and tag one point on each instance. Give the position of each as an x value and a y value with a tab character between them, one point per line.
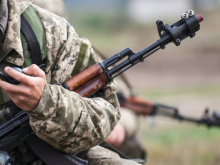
34	70
20	77
18	90
8	87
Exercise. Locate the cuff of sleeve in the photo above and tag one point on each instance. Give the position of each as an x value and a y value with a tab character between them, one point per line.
42	110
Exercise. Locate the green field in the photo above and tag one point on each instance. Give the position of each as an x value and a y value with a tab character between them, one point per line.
181	143
173	142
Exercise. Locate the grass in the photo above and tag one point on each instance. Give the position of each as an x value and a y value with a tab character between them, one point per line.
172	142
182	144
172	134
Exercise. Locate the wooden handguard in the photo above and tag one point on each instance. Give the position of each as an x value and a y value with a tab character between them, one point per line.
92	86
84	77
138	105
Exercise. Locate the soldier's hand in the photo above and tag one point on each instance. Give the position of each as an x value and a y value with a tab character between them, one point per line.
117	137
27	94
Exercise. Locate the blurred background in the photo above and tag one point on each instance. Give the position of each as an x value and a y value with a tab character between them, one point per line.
187	77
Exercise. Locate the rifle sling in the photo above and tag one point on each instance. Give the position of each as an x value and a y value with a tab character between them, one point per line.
49	155
33	43
36	57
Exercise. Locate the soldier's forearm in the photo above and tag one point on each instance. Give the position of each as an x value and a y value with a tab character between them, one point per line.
62	117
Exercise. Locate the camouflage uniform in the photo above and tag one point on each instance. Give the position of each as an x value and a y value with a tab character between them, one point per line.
64	119
54	6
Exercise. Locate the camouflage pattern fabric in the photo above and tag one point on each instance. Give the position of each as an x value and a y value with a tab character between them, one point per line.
64	119
102	156
54	6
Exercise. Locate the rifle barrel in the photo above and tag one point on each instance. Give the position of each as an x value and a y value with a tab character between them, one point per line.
205	121
208	122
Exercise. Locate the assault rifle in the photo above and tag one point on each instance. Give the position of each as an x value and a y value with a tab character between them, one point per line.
149	108
17	131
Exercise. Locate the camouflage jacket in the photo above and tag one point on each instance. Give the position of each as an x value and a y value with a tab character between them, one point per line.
54	6
64	119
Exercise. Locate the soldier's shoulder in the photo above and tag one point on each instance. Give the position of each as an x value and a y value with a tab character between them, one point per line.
54	6
53	23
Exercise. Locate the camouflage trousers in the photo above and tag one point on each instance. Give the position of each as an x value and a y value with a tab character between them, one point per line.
101	156
132	147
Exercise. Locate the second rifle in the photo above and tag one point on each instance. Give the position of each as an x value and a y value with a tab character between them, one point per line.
149	108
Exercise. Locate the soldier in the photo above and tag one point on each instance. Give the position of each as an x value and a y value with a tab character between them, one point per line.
64	119
124	137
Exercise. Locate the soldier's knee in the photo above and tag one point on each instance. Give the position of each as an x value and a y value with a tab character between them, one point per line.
102	156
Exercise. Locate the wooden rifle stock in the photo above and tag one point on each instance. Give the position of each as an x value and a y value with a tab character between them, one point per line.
92	86
89	81
84	77
138	105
